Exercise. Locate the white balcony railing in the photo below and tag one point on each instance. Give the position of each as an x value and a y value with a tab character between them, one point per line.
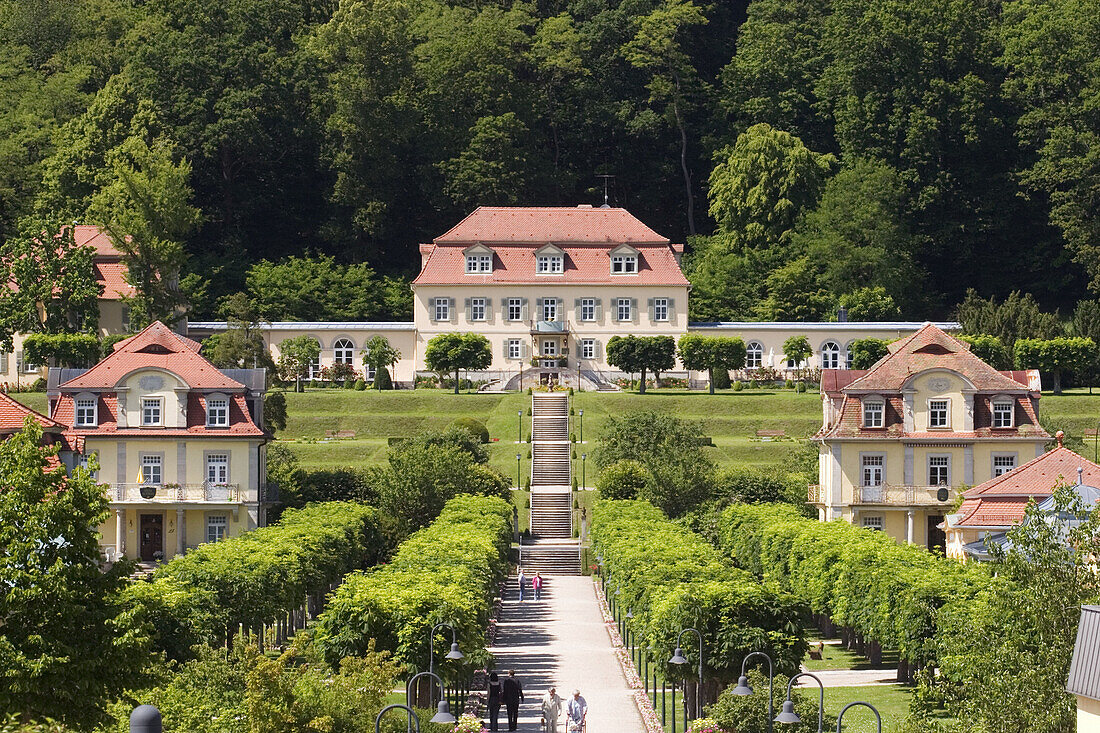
815	495
170	493
906	495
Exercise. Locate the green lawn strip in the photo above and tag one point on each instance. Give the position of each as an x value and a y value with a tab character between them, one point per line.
892	702
34	400
834	656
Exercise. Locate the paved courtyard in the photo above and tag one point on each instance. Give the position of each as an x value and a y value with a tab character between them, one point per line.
562	640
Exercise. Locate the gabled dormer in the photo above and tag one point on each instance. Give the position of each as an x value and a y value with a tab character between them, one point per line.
625	260
479	260
549	260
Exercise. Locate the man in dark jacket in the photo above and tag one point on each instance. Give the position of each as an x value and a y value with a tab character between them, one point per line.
513	696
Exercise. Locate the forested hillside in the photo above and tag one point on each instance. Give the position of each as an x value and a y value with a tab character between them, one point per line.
806	149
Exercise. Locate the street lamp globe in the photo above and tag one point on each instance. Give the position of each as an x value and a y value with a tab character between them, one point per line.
443	714
788	715
455	653
743	686
678	657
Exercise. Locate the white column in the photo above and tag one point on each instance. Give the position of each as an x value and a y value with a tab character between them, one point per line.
909	527
120	532
180	536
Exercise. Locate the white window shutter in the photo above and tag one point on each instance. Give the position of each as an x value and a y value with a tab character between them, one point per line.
523	350
489	309
649	305
452	311
504	348
634	309
523	310
18	361
671	310
577	310
597	349
4	362
599	310
469	310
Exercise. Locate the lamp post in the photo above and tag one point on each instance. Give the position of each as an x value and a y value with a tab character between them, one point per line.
395	706
518	470
878	718
789	716
580	413
519	422
443	708
453	654
679	658
584	484
744	688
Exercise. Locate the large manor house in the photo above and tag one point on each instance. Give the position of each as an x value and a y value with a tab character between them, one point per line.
930	445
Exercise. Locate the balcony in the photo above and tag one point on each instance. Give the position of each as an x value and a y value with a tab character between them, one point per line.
816	494
175	493
548	327
906	495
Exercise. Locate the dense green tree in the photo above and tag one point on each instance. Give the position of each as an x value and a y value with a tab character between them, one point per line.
452	352
241	345
865	352
147	212
624	479
797	292
62	349
381	356
797	349
313	287
1019	316
989	349
1050	53
670	448
492	169
70	641
711	354
870	304
295	356
641	354
52	282
1056	356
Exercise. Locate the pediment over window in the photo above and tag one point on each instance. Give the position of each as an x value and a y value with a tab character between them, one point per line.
477	249
549	249
623	249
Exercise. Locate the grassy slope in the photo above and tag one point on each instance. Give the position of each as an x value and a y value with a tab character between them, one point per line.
730	418
34	400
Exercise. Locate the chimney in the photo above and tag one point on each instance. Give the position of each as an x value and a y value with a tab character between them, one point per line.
842	314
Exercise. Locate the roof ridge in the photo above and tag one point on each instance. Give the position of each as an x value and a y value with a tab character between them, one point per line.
1009	475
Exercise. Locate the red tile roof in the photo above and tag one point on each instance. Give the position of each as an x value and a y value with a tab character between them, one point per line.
13	413
240	420
112	276
994	512
586	235
835	380
932	348
89	235
542	224
156	346
446	265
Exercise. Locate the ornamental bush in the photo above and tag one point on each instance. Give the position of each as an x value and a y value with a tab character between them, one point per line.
863	580
672	579
447	572
474	427
624	480
256	577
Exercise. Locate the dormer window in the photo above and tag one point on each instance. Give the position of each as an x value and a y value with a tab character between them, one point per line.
151	411
479	264
87	413
549	264
939	414
217	412
874	410
624	264
1002	413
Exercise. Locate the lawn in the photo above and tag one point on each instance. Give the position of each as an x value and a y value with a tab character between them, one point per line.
730	418
34	400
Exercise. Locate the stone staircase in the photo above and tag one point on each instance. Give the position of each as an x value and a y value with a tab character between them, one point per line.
554	551
551	557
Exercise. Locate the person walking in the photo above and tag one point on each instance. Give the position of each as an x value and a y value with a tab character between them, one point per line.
513	695
575	712
522	581
551	710
536	585
496	696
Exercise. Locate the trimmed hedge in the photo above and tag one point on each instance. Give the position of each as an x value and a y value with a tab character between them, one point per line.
260	576
886	592
447	572
673	579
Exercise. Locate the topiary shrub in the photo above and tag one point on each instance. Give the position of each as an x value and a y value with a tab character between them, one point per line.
721	379
574	489
624	480
360	385
528	392
570	394
738	386
573	439
527	482
474	427
800	388
789	384
382	379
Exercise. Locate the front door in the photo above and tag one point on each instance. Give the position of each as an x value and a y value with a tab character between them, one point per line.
152	535
937	539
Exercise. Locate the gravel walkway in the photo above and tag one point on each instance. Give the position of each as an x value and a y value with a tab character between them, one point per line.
562	640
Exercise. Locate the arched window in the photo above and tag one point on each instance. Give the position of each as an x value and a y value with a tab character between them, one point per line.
754	355
343	352
830	355
848	356
315	363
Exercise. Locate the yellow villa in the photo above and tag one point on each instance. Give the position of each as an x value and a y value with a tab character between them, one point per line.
178	442
900	440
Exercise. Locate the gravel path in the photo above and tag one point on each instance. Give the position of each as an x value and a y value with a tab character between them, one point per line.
562	640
